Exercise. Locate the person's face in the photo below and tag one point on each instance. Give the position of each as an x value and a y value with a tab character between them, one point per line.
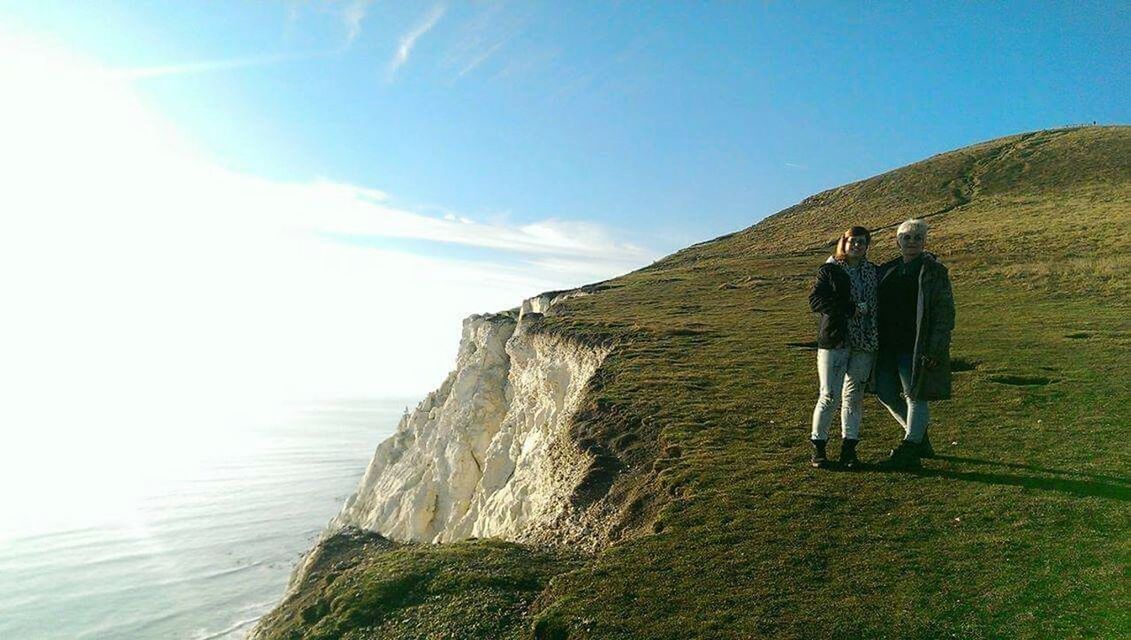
856	246
911	243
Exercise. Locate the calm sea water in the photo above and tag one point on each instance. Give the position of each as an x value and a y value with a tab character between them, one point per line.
207	553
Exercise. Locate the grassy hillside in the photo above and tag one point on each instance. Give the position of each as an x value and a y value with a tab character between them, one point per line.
1019	529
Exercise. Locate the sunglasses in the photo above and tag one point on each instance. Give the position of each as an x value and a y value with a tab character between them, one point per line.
913	236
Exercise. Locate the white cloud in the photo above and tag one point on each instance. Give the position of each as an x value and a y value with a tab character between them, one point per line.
352	216
408	41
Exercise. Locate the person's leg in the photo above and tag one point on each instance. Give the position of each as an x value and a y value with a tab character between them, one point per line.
852	396
831	365
918	415
852	401
889	390
830	370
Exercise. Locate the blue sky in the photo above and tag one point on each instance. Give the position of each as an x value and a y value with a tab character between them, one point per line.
666	122
214	211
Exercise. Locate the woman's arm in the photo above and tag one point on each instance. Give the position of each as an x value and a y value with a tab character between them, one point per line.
942	316
827	299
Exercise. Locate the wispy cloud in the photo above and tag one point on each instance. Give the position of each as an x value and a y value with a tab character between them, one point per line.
345	14
208	66
352	15
408	41
608	77
357	214
794	165
481	37
480	58
532	62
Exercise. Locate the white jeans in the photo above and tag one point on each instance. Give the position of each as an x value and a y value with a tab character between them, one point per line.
843	374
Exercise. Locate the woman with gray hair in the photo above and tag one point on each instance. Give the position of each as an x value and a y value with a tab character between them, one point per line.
916	317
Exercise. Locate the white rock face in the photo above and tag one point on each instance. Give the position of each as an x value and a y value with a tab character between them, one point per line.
488	453
542	302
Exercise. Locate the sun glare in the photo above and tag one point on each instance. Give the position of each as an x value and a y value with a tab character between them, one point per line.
157	304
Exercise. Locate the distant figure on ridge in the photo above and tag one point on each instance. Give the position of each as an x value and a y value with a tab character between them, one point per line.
847	339
916	317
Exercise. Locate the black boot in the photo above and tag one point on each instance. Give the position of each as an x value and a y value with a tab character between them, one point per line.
925	448
848	453
905	456
818	458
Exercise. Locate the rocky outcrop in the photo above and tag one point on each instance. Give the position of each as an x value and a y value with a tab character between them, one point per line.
541	303
488	454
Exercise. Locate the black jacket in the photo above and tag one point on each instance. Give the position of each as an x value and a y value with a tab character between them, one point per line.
934	323
832	298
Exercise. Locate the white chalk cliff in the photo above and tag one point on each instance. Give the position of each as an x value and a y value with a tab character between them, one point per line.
488	454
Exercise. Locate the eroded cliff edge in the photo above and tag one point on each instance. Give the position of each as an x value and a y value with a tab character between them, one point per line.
488	454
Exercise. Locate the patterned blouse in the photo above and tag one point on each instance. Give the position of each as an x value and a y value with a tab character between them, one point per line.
862	330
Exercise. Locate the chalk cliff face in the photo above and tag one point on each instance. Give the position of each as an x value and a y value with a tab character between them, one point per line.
488	454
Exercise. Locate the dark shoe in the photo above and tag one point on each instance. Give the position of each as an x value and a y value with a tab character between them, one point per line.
848	453
925	448
905	456
818	459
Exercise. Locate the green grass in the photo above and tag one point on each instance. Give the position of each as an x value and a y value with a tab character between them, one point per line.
1020	529
363	586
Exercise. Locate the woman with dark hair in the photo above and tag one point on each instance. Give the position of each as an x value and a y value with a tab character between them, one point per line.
845	296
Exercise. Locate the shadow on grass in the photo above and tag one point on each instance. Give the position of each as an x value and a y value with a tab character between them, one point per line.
1028	467
1098	486
1080	488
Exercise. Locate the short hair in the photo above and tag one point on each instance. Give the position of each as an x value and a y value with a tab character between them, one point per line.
914	224
842	243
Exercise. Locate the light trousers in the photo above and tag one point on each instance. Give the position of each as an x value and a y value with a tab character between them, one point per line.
893	390
843	374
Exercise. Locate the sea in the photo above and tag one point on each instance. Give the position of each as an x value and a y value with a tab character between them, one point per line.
206	553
